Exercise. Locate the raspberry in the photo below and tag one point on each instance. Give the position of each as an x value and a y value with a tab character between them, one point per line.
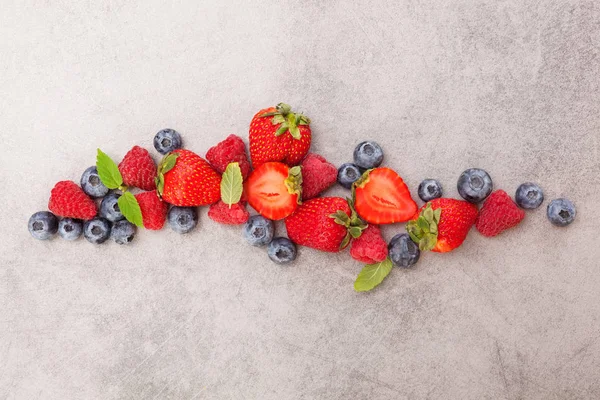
499	213
229	150
221	213
68	200
138	169
370	247
317	175
154	210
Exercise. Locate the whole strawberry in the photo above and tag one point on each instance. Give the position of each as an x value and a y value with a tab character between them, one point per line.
68	200
442	225
278	134
138	169
324	223
370	247
185	179
499	213
229	150
154	210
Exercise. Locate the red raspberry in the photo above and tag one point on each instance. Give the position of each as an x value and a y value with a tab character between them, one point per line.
68	200
154	210
138	169
221	213
317	176
229	150
499	212
369	248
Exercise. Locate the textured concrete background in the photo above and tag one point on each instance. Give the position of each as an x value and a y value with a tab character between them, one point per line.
510	86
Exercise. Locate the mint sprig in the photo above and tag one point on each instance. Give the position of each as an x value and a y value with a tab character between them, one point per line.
372	275
231	184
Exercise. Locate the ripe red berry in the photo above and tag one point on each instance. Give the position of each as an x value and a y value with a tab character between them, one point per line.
229	150
221	212
68	200
370	247
317	176
499	213
138	169
154	210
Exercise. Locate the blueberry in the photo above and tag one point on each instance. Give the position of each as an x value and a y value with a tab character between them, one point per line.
109	208
368	155
474	185
167	140
282	250
561	212
91	183
430	189
43	225
183	219
529	195
96	230
403	251
122	232
70	228
348	174
258	230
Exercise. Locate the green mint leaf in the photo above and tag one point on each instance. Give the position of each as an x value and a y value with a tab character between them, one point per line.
372	275
108	171
231	184
130	208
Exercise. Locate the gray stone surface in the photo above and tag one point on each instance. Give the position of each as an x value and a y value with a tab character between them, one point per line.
509	86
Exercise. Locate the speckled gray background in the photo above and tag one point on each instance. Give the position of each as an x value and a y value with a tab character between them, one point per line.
510	86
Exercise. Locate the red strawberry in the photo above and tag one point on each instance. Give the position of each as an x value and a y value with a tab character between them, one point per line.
324	223
278	134
317	175
382	197
154	210
185	179
68	200
221	212
370	247
273	190
138	169
442	224
499	213
229	150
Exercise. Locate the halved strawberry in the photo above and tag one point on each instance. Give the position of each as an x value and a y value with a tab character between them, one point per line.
382	197
273	190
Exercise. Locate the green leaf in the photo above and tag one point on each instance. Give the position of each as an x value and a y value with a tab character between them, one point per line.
372	275
414	237
130	208
278	119
345	242
428	242
423	224
433	228
282	129
295	132
355	231
428	213
108	171
437	214
231	184
168	163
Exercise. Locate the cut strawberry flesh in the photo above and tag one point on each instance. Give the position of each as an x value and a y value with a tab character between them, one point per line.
267	193
384	198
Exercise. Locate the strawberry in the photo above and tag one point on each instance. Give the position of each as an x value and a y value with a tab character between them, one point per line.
382	197
370	247
154	210
442	224
324	223
274	190
185	179
229	150
138	169
278	134
499	213
317	175
68	200
224	214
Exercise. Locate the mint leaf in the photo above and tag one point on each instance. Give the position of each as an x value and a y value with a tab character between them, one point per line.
130	208
372	275
108	171
231	184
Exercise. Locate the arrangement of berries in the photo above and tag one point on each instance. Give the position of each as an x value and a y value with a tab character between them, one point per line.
283	181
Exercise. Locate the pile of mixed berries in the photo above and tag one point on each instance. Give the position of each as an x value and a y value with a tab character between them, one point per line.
283	181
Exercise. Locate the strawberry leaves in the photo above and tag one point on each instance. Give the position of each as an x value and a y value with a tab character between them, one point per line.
353	223
231	184
289	121
424	230
372	275
111	177
166	164
108	171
